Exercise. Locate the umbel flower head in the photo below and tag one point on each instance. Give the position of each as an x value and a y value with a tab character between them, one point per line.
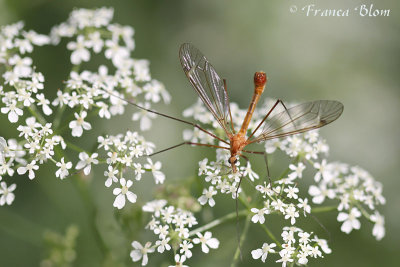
353	189
85	93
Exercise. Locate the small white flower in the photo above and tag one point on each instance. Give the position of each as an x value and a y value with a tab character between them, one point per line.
95	41
161	231
144	117
29	168
279	205
155	206
304	237
291	213
7	195
110	174
304	205
103	112
86	162
163	245
115	52
24	45
80	52
323	244
291	192
44	103
183	232
179	260
139	252
206	241
62	172
35	38
319	193
302	257
324	171
203	166
185	248
248	171
350	221
288	237
123	193
297	170
285	257
159	177
263	252
79	124
22	66
208	196
259	215
13	111
379	228
61	99
138	170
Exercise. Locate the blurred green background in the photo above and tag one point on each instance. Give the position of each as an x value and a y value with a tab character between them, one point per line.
354	59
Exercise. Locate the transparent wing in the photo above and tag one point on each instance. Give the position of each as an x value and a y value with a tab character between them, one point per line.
299	119
207	83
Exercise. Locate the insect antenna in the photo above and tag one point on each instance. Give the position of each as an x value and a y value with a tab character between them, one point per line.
322	226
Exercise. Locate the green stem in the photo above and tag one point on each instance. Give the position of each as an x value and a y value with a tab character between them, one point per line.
271	235
238	253
217	222
32	109
323	209
74	147
83	189
57	118
363	211
60	110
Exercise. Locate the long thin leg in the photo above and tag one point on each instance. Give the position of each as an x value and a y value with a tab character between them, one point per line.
237	217
322	226
166	116
229	106
268	174
269	113
254	152
266	162
186	143
266	116
245	158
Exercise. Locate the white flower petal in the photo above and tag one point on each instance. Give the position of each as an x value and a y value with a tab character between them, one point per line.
119	202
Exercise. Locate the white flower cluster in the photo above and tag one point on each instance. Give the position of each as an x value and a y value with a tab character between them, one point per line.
123	153
355	189
103	92
219	175
172	226
298	246
37	144
19	73
352	186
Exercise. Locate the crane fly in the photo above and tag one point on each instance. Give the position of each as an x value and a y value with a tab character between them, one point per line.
213	92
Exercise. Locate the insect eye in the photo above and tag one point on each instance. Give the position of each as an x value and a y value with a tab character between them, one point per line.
231	161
